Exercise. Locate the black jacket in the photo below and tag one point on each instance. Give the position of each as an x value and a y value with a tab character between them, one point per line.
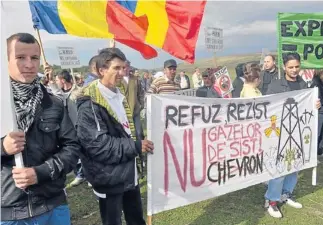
266	77
207	92
316	82
237	87
279	86
51	149
108	152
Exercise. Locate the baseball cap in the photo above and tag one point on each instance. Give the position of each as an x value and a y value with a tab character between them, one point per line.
170	63
205	73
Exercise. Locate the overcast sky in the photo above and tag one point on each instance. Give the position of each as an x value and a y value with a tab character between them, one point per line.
248	27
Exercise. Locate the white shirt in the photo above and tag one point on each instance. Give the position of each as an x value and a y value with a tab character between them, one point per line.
183	83
197	80
115	100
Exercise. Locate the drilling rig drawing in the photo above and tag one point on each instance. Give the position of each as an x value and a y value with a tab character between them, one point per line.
290	137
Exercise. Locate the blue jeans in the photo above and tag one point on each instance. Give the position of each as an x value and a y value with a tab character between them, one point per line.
58	216
280	186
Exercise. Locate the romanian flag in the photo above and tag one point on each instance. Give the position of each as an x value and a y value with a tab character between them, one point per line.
170	25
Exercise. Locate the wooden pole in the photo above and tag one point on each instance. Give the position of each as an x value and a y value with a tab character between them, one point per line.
112	43
314	176
72	73
214	60
41	47
149	220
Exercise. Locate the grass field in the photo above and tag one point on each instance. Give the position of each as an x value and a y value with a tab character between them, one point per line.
244	207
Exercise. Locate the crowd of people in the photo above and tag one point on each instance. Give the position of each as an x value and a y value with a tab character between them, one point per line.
94	127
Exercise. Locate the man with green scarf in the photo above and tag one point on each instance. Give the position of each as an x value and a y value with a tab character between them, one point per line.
106	130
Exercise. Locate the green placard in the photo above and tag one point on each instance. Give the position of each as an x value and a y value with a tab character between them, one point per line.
302	33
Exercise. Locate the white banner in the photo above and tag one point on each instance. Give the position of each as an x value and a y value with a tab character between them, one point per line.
68	58
209	147
214	38
8	120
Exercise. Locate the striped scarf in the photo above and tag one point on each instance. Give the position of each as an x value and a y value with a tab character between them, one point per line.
93	91
26	98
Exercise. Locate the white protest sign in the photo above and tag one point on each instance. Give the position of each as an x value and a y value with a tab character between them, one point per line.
7	114
6	95
214	38
209	147
68	58
223	83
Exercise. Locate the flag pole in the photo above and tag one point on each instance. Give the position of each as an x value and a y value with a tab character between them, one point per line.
149	220
214	60
41	47
112	43
73	76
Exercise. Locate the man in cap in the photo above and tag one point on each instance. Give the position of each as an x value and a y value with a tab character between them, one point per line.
166	84
207	90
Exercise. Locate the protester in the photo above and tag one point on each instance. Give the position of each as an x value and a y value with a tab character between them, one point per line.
106	132
64	85
43	79
207	91
146	81
281	189
93	72
166	84
46	138
318	82
269	73
64	88
136	73
183	80
79	80
252	80
197	78
45	82
238	81
130	87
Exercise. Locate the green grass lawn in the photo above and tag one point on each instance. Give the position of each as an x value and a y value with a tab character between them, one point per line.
244	207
